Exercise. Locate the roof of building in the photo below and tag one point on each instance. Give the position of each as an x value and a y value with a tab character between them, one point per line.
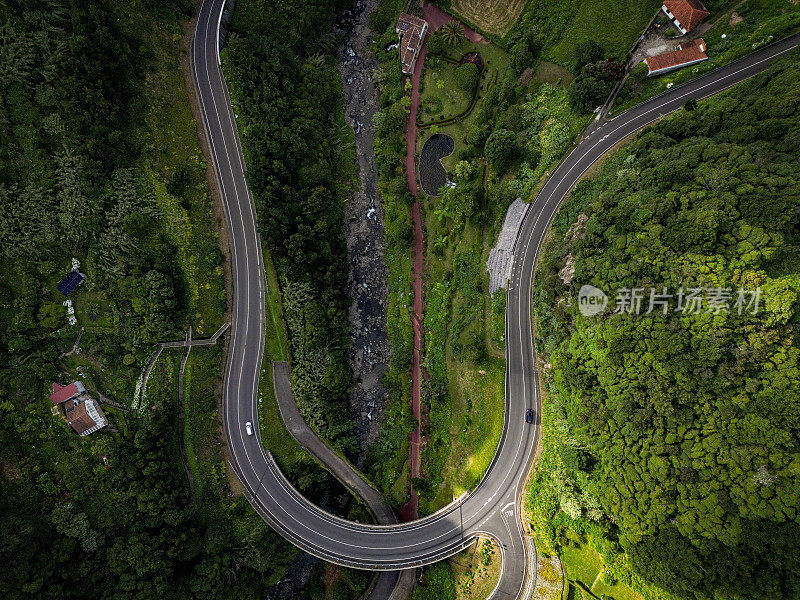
411	29
687	53
70	282
84	417
689	13
699	43
62	393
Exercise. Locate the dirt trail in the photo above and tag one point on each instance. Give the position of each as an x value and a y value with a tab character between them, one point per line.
435	18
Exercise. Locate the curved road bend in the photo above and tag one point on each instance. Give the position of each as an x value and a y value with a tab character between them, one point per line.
386	581
491	508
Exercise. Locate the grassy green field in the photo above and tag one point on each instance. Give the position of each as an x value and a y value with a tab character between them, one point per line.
274	434
550	72
176	169
443	98
477	405
393	473
615	24
465	422
565	24
583	564
202	425
764	21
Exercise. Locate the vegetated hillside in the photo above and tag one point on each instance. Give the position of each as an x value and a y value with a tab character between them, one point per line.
671	440
521	123
386	458
99	160
287	94
563	24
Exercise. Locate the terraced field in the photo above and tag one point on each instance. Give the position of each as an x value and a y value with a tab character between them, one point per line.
492	16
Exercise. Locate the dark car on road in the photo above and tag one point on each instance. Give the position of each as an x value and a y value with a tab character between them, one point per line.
529	416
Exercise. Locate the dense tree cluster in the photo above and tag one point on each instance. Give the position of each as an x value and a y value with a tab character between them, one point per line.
77	180
287	94
595	76
525	51
674	434
72	184
81	531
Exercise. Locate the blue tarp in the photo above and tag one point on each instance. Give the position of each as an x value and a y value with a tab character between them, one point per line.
70	282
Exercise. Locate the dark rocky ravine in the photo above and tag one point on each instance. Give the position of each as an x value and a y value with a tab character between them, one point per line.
367	288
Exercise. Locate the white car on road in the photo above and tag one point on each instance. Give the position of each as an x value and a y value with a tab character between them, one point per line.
248	426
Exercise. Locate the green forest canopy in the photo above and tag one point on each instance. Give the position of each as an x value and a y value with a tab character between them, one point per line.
287	95
78	178
680	431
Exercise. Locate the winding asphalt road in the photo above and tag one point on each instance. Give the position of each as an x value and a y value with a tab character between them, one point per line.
492	507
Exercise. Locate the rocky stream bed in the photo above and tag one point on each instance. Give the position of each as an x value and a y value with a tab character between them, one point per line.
367	288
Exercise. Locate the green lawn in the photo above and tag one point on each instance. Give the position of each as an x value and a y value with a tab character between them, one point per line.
583	564
392	476
94	309
443	98
477	401
615	24
550	72
459	319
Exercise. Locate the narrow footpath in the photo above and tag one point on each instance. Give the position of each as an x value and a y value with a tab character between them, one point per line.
435	18
410	510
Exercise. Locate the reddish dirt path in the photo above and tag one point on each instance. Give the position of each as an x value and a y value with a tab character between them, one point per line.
435	18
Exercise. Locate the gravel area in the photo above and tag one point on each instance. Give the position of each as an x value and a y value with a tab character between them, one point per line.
367	288
501	256
432	175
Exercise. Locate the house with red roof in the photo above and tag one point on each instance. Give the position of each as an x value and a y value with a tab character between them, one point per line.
685	14
84	416
688	53
83	413
411	30
62	393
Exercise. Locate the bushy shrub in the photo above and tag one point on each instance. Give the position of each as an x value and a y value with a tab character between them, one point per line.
467	76
500	147
436	44
585	53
